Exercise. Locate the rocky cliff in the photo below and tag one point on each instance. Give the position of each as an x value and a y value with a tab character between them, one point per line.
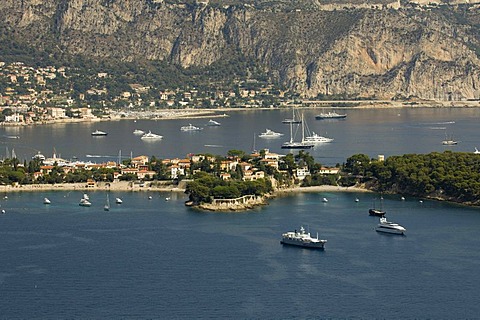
385	54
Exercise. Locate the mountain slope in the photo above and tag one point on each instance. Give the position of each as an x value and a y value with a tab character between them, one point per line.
386	54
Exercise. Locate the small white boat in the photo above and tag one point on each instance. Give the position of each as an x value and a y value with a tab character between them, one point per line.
138	132
357	200
449	142
99	133
213	123
389	227
151	136
302	239
190	127
118	201
324	200
476	151
269	134
167	198
84	203
46	201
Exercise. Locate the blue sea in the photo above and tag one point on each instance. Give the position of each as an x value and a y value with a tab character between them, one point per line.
157	259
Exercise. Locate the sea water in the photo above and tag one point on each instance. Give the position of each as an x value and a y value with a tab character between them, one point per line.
372	132
152	258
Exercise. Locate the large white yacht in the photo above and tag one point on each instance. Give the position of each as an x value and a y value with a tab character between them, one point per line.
151	136
268	134
302	239
330	115
389	227
315	138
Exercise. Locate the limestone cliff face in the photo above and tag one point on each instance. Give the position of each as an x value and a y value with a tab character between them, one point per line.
367	53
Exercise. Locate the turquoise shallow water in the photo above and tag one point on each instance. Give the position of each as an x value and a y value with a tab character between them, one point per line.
159	259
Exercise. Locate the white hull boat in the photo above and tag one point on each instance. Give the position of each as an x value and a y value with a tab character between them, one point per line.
390	227
302	239
151	136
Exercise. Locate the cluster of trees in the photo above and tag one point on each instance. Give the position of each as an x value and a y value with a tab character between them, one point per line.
205	187
449	175
11	171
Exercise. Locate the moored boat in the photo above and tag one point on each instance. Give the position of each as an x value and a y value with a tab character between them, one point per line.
315	138
377	211
330	115
297	145
138	132
302	239
389	227
99	133
151	136
118	201
269	134
293	120
190	127
84	203
46	201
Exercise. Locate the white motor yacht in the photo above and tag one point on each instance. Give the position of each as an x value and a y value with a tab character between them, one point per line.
99	133
302	239
315	138
389	227
138	132
190	127
151	136
269	134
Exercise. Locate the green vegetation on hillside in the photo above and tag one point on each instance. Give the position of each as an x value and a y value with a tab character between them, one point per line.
449	175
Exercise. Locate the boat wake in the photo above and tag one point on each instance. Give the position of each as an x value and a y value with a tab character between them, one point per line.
213	145
97	156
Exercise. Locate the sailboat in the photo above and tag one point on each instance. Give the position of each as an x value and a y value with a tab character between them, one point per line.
107	205
449	141
293	120
297	145
377	212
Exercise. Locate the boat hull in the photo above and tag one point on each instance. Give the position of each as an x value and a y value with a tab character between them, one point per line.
390	231
297	146
309	245
376	212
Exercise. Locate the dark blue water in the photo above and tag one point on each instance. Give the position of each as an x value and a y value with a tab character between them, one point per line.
372	132
159	259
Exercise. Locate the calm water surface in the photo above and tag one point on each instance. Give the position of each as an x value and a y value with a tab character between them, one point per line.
159	259
373	132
